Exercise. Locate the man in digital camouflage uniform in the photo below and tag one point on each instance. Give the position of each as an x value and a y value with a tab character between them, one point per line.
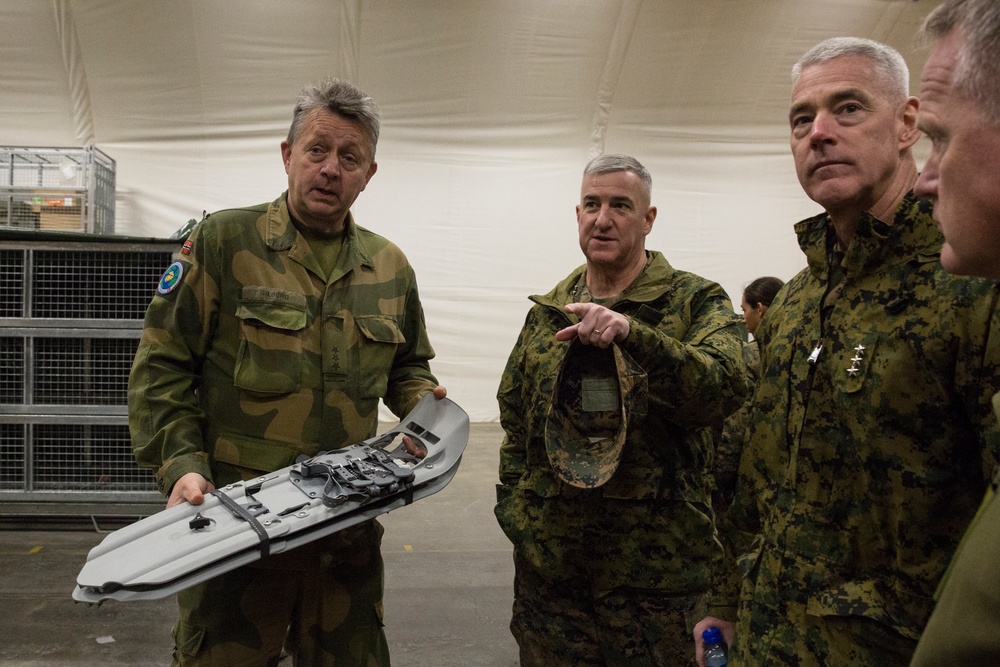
866	454
960	114
275	333
607	403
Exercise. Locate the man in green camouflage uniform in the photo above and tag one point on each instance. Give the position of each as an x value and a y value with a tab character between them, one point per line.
866	454
275	333
607	403
960	113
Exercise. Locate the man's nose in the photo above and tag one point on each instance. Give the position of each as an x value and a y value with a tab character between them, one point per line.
822	128
330	167
604	216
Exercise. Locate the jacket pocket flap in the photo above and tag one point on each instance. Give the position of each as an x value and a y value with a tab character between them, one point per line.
879	601
274	308
380	328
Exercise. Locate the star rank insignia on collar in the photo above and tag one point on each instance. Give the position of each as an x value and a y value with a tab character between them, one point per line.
859	352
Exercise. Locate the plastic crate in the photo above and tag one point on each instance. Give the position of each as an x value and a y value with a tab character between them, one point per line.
70	189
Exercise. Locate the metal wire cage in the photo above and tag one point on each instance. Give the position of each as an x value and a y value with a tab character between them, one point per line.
71	313
57	188
81	460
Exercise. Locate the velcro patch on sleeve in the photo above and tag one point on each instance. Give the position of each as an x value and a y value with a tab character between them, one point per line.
171	278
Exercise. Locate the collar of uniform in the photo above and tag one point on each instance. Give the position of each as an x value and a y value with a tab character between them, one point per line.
875	243
281	235
279	232
648	286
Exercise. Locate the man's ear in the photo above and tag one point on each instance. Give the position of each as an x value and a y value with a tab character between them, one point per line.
371	172
908	133
286	154
650	217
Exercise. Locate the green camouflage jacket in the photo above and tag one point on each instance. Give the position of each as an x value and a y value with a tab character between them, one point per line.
865	460
962	629
685	336
249	357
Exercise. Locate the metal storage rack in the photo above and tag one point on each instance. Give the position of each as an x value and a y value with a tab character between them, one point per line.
57	188
71	311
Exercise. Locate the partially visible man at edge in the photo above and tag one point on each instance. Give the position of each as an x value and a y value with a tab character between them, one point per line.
866	454
960	114
275	333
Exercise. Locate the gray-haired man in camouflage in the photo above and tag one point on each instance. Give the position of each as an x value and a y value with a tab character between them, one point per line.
867	451
607	403
275	333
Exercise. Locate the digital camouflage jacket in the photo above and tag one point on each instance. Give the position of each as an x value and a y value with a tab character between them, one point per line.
868	451
650	525
249	358
729	441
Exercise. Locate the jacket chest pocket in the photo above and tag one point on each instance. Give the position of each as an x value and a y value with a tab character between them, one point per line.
857	362
379	337
887	366
269	359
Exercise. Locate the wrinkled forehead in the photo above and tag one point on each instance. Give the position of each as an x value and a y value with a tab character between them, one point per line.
326	123
939	70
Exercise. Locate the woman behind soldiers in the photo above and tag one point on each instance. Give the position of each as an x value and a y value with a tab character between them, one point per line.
757	298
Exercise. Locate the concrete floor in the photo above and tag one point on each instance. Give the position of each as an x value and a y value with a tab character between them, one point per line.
448	587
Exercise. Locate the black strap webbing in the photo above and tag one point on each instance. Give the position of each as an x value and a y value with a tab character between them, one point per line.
265	541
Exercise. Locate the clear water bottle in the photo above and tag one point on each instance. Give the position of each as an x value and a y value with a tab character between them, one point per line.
715	649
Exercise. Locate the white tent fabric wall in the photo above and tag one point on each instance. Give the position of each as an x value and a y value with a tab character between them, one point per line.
491	108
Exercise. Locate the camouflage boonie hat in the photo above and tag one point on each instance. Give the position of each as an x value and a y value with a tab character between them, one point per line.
596	393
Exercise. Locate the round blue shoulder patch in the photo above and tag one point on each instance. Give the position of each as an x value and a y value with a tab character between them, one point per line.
171	278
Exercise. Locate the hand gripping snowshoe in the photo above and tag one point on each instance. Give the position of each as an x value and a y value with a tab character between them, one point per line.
187	544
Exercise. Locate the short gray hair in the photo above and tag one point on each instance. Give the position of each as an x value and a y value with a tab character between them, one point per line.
889	64
977	70
604	164
342	98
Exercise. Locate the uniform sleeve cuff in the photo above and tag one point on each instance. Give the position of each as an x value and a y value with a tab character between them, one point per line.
177	467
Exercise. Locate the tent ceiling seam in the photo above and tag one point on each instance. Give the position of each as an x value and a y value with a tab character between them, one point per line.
79	88
611	75
350	39
890	17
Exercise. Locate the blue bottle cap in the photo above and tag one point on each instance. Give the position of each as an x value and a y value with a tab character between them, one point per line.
711	635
